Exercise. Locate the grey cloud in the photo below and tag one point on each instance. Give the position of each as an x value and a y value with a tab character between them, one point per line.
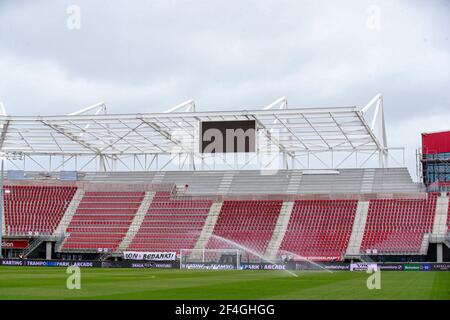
149	55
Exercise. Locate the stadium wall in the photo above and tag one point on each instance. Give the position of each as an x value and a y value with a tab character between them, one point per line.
437	142
359	266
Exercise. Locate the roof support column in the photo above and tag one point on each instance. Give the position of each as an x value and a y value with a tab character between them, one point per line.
378	126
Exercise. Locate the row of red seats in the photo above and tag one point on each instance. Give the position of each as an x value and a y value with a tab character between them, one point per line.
171	224
96	229
319	228
41	192
180	204
448	216
178	211
396	226
113	220
125	200
109	205
115	194
35	209
249	223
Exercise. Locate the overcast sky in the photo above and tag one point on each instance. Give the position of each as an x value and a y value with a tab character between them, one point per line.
146	56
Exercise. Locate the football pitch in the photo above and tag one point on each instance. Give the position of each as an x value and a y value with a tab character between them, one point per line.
50	283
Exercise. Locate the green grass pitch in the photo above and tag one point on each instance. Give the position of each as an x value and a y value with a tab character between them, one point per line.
50	283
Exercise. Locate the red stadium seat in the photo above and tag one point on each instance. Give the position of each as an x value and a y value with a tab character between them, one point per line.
249	223
35	209
320	230
102	220
397	226
171	224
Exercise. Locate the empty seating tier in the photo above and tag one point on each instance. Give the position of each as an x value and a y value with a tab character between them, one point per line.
240	182
448	217
398	226
249	223
319	230
35	210
171	224
102	220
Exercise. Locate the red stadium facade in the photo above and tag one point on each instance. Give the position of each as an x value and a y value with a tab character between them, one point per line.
435	143
435	160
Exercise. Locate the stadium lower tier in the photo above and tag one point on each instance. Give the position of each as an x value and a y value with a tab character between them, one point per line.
248	224
101	220
319	230
398	225
35	210
171	224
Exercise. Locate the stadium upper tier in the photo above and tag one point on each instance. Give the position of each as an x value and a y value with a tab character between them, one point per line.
236	182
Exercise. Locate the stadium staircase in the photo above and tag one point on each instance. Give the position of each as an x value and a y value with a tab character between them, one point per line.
68	215
179	190
359	225
447	241
171	224
210	223
425	244
440	218
279	231
367	180
36	242
137	221
3	222
294	182
225	183
102	220
158	177
440	225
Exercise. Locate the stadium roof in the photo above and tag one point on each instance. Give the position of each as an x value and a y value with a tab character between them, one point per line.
92	131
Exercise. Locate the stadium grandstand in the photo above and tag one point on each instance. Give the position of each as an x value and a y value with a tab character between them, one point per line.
319	184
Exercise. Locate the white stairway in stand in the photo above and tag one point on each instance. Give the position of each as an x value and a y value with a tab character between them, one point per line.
137	221
210	223
225	184
367	180
440	217
440	229
425	244
3	222
159	177
279	231
294	182
68	215
359	226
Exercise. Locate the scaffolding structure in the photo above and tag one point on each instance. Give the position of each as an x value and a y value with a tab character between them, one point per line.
91	139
